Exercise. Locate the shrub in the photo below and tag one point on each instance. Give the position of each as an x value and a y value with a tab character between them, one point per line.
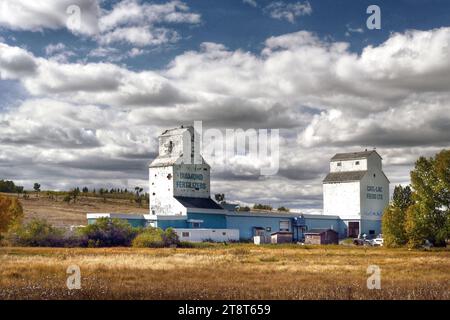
170	237
156	238
260	206
37	233
109	233
149	238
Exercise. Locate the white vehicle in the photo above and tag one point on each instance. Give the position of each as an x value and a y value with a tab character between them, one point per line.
377	242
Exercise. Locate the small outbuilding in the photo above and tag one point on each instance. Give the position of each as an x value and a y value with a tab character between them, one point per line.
281	237
321	236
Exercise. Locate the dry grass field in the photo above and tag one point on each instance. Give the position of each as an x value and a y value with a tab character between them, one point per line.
240	271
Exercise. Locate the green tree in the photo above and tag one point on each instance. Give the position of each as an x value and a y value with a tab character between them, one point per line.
260	206
138	197
7	186
394	217
393	225
19	190
402	197
428	218
37	188
74	194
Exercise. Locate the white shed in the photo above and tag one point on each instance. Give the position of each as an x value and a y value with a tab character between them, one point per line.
215	235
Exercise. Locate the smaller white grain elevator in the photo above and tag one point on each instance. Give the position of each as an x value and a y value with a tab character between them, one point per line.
179	172
357	190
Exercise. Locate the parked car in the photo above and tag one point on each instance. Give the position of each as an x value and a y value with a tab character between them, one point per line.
377	242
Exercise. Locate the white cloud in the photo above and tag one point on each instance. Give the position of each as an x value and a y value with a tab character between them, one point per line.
102	52
140	24
252	3
326	74
288	11
59	52
412	122
15	62
134	52
351	30
49	14
114	55
140	36
100	83
132	12
53	48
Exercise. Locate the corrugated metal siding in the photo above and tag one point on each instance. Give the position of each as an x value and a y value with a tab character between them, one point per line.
136	222
245	224
164	224
213	221
324	224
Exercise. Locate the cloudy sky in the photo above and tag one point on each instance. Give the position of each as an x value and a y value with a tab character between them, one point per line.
82	103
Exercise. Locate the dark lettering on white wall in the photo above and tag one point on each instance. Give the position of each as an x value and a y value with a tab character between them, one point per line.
191	184
374	193
191	176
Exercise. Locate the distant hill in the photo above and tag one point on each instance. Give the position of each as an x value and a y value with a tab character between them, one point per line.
63	214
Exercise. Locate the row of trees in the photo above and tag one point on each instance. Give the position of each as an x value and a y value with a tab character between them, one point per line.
421	212
102	191
7	186
220	198
138	195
